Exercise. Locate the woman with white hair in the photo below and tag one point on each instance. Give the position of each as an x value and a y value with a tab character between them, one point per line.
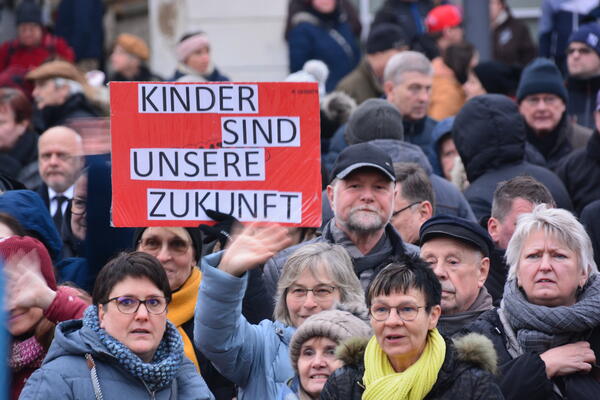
547	329
256	357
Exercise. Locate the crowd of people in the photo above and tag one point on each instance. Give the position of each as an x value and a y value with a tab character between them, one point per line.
457	256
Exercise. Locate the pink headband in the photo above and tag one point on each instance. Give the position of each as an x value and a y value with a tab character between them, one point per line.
190	45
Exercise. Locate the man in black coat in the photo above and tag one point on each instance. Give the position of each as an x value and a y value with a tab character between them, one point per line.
489	134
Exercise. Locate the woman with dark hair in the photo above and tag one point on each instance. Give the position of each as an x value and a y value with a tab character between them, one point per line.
453	75
408	358
321	32
124	347
18	142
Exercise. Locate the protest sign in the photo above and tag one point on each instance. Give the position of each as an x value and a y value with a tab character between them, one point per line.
251	150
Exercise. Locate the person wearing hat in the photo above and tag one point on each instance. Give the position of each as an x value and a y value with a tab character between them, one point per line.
444	26
361	193
60	94
366	80
583	81
35	304
312	348
33	45
458	251
128	60
580	171
543	100
194	60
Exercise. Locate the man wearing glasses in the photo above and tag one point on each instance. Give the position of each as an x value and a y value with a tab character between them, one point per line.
583	63
543	99
413	203
458	251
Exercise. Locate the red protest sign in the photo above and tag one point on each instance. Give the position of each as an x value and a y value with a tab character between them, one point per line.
247	149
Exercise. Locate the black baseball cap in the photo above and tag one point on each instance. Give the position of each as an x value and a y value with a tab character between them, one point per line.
457	228
362	155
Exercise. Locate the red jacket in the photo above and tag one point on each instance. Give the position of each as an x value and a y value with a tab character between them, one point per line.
13	54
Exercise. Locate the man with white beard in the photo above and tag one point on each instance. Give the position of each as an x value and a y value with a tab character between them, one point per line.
361	192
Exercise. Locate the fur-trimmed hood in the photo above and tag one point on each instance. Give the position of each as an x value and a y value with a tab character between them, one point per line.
473	348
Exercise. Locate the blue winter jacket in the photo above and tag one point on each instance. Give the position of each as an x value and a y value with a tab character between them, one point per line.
65	375
255	357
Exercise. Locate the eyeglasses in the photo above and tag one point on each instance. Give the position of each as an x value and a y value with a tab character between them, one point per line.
153	245
61	156
406	313
321	292
581	50
130	305
535	100
405	208
78	206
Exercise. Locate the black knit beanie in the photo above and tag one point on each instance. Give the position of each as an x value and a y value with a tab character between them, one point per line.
28	11
541	76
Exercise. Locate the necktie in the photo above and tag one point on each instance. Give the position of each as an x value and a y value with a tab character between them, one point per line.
58	215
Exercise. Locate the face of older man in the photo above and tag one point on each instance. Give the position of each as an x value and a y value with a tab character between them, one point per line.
411	96
362	202
461	270
582	61
408	216
542	112
60	157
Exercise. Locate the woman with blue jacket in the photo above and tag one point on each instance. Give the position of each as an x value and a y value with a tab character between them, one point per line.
256	357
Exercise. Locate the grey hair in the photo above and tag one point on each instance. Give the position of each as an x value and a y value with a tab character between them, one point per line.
318	258
556	222
74	87
406	61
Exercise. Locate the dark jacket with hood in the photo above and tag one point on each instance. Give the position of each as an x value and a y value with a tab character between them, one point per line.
20	162
489	134
589	218
582	100
555	146
580	173
467	372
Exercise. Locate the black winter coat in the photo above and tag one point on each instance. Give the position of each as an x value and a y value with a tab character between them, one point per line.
489	134
580	173
524	377
582	100
76	106
465	374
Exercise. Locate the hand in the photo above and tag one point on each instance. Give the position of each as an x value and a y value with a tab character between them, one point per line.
253	247
568	359
26	286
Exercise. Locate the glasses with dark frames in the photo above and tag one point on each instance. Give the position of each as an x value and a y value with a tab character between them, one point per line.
131	305
405	208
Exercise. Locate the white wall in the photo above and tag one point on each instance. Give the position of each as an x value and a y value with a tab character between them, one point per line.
246	35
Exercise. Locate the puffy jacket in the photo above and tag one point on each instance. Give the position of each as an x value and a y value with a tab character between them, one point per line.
467	372
580	173
255	357
333	43
489	134
582	100
65	375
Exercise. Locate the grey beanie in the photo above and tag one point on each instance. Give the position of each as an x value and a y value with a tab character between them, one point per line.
349	320
374	119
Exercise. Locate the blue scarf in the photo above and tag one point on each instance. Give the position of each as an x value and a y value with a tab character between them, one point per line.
165	364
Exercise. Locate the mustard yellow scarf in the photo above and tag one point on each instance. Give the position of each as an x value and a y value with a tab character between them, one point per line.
383	383
181	310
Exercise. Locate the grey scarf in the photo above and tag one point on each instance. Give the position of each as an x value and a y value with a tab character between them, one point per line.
450	324
539	328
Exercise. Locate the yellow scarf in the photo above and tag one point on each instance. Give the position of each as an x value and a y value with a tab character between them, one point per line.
383	383
181	310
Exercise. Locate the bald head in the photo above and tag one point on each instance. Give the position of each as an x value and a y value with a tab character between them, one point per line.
60	156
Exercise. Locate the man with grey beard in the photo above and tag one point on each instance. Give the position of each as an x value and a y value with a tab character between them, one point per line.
361	192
